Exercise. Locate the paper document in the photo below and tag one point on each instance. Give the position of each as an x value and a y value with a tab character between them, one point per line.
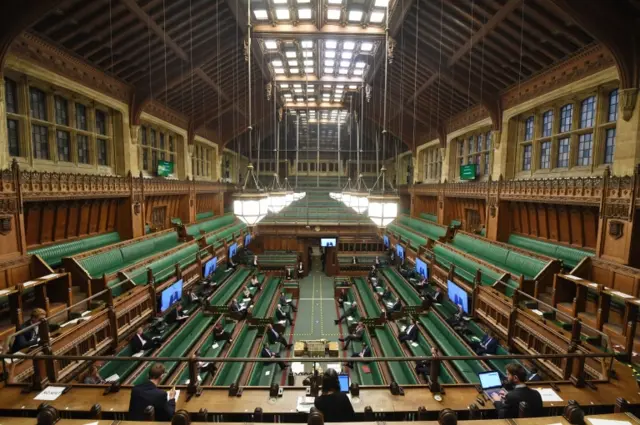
350	318
402	328
415	344
302	406
595	421
347	302
138	354
282	322
538	312
267	373
246	300
288	300
113	378
177	396
548	394
50	393
297	367
214	346
335	366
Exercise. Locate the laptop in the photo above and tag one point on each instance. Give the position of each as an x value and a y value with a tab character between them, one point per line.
345	383
491	384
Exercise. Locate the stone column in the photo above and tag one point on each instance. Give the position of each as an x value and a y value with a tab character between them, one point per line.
4	136
627	153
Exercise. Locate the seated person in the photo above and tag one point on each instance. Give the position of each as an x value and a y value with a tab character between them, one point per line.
231	264
178	313
357	335
348	312
246	294
354	260
365	352
334	405
274	337
267	353
219	334
234	307
300	270
374	282
422	283
436	297
423	367
31	337
282	315
284	301
373	272
376	262
487	345
140	342
288	273
534	376
148	394
255	261
508	404
255	282
396	307
410	333
93	376
458	318
342	297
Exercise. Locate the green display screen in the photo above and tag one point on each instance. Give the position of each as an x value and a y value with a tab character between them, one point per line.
165	168
468	171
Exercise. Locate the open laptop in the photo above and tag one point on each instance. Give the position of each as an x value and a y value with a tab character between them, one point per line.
345	383
491	384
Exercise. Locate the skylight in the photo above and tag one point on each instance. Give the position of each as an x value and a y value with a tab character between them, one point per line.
294	70
376	16
358	71
345	64
328	70
307	44
270	44
308	63
347	55
307	54
308	70
382	3
331	44
333	14
348	45
361	64
278	70
355	15
292	63
290	53
329	62
330	54
366	47
343	71
304	13
277	63
260	14
282	14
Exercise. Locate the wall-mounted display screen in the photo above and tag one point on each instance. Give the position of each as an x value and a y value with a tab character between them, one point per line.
328	242
458	296
422	268
170	296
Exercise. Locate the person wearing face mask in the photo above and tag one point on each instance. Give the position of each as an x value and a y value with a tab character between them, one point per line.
508	404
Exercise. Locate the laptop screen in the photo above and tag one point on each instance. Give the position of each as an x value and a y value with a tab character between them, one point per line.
490	380
344	383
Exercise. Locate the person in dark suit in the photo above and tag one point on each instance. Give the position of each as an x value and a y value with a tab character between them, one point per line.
508	404
372	272
300	270
255	282
376	262
148	394
231	264
348	312
178	313
234	307
274	337
423	367
487	345
140	342
410	333
365	352
436	297
282	315
267	353
357	335
396	307
219	334
32	336
458	318
334	405
534	376
283	301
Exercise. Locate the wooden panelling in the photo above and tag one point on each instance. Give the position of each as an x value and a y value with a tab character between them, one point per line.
207	202
170	202
57	221
281	243
425	204
575	225
458	210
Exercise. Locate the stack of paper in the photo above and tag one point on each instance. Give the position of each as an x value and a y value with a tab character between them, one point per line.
113	378
548	394
50	393
297	367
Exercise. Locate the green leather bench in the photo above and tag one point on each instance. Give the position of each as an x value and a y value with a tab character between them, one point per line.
179	344
374	377
401	371
570	256
261	307
429	217
230	373
423	349
450	345
204	215
279	260
349	300
223	295
511	261
176	221
53	254
404	289
113	260
371	306
415	240
432	231
210	225
224	235
263	374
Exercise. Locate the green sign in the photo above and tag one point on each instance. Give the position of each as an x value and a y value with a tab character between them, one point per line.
165	168
468	172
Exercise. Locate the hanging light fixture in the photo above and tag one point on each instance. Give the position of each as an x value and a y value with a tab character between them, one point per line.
250	205
383	206
277	196
357	198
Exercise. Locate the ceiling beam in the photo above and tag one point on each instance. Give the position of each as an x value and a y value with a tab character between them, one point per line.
310	31
207	80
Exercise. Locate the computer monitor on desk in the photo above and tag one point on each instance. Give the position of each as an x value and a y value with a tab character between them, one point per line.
345	383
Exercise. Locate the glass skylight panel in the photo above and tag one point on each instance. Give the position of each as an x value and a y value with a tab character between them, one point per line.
345	64
304	13
335	1
260	14
308	70
353	87
277	63
278	70
279	1
298	90
311	99
328	70
307	44
355	15
366	46
331	44
310	89
348	45
339	86
270	44
297	86
307	53
333	14
282	14
284	86
376	17
343	71
326	95
294	70
347	55
330	54
300	99
304	1
382	3
293	63
358	71
290	53
361	64
327	86
328	62
308	63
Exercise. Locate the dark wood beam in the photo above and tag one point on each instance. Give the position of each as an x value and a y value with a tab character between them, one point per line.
208	81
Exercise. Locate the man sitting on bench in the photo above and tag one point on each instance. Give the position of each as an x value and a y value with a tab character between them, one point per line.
487	345
268	354
31	337
276	337
376	262
282	315
234	307
284	301
178	313
395	308
410	333
423	367
365	352
357	335
141	343
436	297
219	334
347	313
457	320
255	282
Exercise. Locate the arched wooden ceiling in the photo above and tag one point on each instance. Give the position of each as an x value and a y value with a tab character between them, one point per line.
448	56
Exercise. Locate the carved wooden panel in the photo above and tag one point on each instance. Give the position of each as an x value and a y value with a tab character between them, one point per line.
170	202
206	202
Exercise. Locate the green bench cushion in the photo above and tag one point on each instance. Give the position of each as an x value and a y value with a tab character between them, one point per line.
430	230
401	371
371	306
429	217
569	255
404	289
210	225
230	373
423	349
53	254
204	215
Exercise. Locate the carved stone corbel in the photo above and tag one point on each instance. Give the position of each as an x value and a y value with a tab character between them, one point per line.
135	133
628	99
495	138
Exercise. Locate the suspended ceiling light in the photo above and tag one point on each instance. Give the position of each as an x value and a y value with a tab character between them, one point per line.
358	198
383	205
250	205
277	196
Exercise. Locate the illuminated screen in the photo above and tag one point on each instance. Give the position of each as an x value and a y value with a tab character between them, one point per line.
490	380
458	296
328	242
400	251
344	383
385	240
170	296
247	240
210	267
232	250
421	268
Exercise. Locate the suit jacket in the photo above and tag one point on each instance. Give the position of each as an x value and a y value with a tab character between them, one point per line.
412	333
534	377
397	306
234	307
490	345
266	353
352	310
147	394
25	339
281	315
283	300
273	336
508	408
136	344
358	332
437	297
366	353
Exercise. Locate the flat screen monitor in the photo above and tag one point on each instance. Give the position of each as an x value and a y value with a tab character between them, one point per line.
489	380
232	250
247	240
458	296
328	242
170	296
385	240
400	251
344	383
210	267
422	269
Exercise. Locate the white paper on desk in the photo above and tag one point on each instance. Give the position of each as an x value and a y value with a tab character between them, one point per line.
50	394
138	354
113	378
282	322
538	312
608	422
304	405
176	397
350	318
334	366
415	344
297	367
548	394
267	373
